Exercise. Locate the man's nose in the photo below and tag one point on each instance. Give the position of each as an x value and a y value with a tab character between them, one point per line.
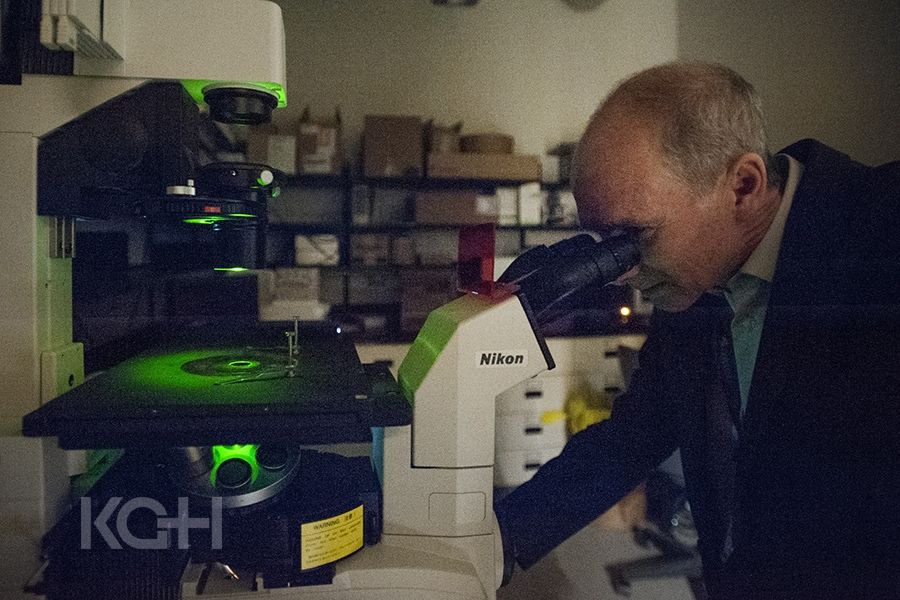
627	276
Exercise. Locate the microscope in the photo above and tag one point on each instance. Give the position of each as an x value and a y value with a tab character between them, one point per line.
237	478
228	54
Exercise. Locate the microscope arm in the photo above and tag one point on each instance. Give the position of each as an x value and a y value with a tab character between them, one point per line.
437	474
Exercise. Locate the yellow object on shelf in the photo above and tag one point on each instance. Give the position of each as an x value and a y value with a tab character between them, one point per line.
586	406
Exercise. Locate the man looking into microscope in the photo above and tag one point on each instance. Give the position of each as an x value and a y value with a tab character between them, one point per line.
772	359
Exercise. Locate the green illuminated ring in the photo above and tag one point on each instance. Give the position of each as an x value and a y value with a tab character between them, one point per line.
213	219
246	453
195	88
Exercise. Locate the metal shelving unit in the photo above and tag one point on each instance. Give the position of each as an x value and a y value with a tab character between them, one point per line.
344	228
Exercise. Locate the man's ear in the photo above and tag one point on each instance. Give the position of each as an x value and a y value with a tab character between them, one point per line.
748	179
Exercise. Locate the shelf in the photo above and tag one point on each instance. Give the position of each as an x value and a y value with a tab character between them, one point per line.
294	228
365	268
428	183
337	228
556	186
636	326
407	227
314	180
345	283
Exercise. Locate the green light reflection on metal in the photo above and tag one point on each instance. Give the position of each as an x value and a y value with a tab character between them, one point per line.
244	452
213	219
243	364
205	220
195	89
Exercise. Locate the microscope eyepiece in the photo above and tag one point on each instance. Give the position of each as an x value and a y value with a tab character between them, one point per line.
547	275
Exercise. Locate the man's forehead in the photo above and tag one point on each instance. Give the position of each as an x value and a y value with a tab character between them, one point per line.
615	176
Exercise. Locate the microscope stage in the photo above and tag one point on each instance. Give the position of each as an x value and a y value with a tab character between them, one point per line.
229	387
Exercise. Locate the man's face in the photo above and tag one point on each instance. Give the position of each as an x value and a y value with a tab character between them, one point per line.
689	240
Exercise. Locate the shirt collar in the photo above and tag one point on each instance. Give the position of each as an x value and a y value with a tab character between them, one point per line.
761	262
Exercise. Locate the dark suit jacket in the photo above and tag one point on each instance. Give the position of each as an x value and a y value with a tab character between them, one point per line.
808	494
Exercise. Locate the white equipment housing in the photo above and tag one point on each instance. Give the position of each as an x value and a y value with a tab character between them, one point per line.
440	538
229	41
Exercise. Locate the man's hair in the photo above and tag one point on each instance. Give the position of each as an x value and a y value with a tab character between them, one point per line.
707	116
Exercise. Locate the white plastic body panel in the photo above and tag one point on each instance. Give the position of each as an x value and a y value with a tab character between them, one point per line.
454	405
35	290
225	40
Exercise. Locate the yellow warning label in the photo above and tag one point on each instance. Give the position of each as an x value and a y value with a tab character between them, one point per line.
328	540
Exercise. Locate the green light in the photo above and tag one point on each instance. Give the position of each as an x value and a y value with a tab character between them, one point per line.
231	269
430	342
204	220
245	453
164	374
242	365
195	89
213	219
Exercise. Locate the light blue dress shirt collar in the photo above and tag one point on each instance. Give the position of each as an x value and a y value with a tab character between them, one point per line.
747	292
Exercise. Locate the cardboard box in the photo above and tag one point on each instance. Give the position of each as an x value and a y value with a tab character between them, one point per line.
443	138
423	291
391	206
268	147
437	248
532	202
370	249
313	250
372	287
320	148
392	146
403	250
456	208
549	168
471	165
488	143
288	293
508	199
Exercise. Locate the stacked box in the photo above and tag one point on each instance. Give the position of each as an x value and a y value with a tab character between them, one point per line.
317	250
370	249
423	291
456	208
472	165
508	205
265	145
392	146
319	147
285	294
532	203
